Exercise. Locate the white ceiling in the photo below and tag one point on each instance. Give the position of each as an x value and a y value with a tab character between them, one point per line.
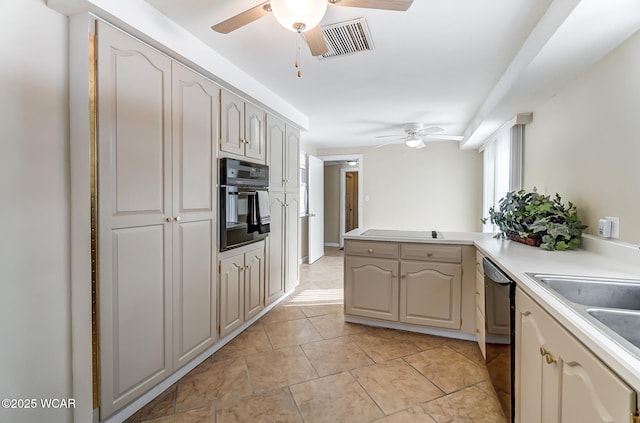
466	66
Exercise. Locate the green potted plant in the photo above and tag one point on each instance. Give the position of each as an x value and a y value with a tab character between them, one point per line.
538	220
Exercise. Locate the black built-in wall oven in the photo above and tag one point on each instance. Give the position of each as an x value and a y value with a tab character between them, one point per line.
240	183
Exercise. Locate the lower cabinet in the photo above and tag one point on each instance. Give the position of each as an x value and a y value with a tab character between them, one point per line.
560	380
419	284
371	288
242	277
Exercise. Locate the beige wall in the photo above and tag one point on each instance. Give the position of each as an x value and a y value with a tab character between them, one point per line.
584	143
437	187
35	309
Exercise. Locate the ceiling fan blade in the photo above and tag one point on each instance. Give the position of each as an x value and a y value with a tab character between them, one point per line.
243	18
398	141
444	137
430	130
400	5
315	41
387	136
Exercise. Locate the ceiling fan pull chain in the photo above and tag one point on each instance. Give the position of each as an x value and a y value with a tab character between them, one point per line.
298	67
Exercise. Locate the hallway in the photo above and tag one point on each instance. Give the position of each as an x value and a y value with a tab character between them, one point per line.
302	363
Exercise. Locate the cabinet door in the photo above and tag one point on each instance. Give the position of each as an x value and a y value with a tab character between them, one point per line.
134	173
536	383
254	131
231	293
195	129
232	123
292	160
371	287
565	382
292	241
254	282
275	280
276	141
430	294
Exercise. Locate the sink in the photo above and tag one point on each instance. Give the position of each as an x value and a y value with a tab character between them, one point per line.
623	322
611	305
595	292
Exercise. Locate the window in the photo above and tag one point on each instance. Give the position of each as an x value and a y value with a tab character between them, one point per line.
502	169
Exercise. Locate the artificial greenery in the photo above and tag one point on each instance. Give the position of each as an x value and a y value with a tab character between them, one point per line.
529	214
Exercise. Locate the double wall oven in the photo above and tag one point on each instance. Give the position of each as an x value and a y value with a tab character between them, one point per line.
240	184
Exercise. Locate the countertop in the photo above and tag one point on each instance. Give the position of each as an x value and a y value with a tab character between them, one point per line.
599	258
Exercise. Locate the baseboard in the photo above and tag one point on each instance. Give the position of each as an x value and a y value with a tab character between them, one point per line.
332	244
409	328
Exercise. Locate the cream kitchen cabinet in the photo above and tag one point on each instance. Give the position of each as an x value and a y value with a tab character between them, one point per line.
242	277
418	284
481	325
371	287
283	245
284	152
560	380
242	128
156	167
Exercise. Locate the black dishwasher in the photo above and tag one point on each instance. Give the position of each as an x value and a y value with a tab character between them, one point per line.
500	310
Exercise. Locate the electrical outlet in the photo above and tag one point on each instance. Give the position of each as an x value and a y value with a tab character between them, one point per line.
615	226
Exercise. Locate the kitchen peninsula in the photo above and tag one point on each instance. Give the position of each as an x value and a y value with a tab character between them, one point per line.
412	281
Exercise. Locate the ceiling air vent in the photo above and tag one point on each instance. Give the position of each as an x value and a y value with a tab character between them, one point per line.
346	38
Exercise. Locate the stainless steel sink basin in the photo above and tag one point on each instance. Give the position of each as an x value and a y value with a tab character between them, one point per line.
595	292
625	323
611	305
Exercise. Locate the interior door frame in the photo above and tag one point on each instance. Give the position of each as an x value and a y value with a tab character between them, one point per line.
358	168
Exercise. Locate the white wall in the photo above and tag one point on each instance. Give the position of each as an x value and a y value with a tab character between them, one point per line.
437	187
35	356
584	143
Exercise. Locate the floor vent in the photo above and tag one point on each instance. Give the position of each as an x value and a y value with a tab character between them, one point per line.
346	38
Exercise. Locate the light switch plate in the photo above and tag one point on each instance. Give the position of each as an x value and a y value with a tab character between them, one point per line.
615	226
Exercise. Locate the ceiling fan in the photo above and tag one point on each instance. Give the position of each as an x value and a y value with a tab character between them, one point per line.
303	16
417	133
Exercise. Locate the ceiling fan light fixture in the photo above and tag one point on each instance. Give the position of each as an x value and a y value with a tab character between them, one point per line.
413	141
299	15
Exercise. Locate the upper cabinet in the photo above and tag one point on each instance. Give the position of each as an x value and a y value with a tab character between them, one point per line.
284	156
242	127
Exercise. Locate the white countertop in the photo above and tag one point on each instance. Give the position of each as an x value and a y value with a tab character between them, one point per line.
599	258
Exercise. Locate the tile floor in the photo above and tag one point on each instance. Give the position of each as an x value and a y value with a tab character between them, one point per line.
302	363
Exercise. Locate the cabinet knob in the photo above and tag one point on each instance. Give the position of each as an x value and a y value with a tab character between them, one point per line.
403	276
393	275
370	250
429	254
177	218
169	219
526	313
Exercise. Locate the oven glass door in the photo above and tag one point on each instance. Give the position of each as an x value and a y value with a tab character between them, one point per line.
234	217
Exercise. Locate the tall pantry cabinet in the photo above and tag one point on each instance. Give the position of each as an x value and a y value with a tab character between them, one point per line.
156	174
284	194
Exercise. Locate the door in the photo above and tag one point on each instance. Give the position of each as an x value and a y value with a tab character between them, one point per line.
254	132
275	280
351	201
231	293
254	282
316	208
371	287
232	123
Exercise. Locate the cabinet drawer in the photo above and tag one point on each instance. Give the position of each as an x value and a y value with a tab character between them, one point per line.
431	252
479	257
372	249
480	292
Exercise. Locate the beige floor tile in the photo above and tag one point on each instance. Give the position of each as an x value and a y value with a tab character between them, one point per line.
468	405
335	356
336	398
283	313
291	332
394	385
161	406
383	349
199	415
447	368
223	381
269	407
333	326
422	341
252	340
311	310
412	415
274	369
469	349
